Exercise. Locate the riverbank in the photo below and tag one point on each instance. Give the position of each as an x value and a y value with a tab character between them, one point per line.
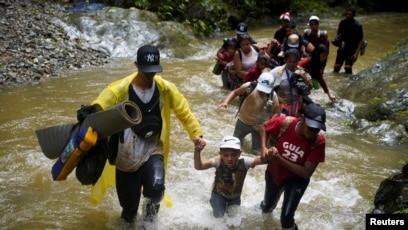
35	45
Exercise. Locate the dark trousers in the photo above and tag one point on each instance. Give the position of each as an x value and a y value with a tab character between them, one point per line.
220	204
345	55
129	186
241	130
293	190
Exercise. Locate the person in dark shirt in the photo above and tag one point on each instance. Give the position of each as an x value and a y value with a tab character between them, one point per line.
241	30
280	33
319	39
350	32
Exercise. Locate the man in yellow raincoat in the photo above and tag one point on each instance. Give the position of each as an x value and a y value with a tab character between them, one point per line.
142	150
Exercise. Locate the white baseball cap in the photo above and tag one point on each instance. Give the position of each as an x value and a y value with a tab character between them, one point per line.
230	142
265	82
314	18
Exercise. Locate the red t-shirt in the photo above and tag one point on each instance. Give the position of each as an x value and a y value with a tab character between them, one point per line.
293	148
253	73
226	58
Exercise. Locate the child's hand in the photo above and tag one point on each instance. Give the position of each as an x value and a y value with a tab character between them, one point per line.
264	154
199	143
272	154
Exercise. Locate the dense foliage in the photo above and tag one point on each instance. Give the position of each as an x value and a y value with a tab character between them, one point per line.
206	17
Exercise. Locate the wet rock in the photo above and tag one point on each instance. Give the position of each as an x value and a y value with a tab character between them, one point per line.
381	95
392	194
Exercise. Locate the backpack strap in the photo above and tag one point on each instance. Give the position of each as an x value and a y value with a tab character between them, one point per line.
322	34
307	33
248	91
284	126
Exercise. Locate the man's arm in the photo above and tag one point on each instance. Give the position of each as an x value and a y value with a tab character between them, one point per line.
360	43
263	135
236	92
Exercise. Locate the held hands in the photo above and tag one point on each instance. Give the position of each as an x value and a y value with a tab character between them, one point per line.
271	154
199	143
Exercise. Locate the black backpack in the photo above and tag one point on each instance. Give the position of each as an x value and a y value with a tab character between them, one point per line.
322	33
92	162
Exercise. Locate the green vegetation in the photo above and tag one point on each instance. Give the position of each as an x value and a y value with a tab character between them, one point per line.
313	6
205	17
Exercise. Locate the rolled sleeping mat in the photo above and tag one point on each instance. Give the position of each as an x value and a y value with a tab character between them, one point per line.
53	139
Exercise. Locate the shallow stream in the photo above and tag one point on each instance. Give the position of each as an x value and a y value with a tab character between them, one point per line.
341	191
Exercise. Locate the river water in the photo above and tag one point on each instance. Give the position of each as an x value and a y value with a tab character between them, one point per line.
341	191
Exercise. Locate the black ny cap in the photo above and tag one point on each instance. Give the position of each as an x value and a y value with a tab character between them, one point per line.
148	59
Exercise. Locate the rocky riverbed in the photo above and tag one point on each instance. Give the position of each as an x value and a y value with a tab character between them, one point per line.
35	46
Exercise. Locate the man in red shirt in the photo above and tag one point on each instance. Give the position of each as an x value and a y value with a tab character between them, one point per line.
298	150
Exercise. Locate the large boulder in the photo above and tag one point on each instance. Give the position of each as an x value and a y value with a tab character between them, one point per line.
392	195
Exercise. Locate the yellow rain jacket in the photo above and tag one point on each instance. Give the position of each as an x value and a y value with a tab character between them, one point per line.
171	99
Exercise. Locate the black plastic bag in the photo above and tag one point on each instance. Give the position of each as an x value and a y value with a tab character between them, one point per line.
113	146
298	82
337	41
92	163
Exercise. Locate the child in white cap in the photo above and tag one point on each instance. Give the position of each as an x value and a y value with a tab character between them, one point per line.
230	173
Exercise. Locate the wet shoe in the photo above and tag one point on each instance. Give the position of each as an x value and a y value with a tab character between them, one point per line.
127	217
152	208
294	227
263	208
363	48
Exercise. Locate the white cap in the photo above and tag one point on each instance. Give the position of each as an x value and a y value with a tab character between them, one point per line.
293	41
230	142
314	18
265	82
294	45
